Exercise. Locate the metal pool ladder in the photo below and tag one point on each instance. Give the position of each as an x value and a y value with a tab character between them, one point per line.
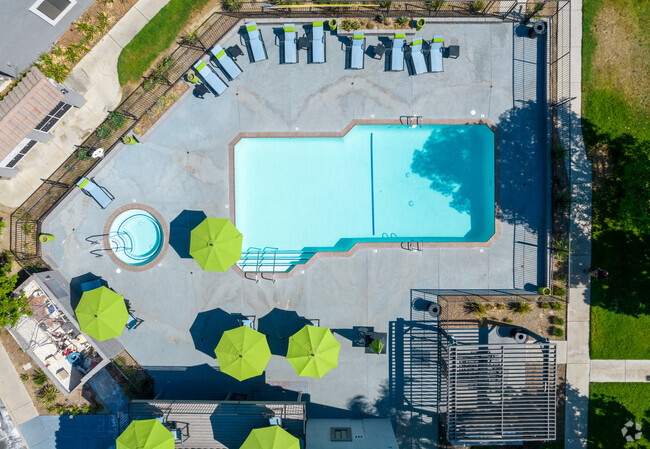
411	121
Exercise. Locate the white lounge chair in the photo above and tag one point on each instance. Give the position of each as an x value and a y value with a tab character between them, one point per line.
255	42
289	44
91	189
397	52
229	67
436	53
417	57
317	43
358	50
212	80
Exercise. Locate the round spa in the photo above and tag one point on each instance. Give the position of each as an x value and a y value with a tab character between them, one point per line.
136	237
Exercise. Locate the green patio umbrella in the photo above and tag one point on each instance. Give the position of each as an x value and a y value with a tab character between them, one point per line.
145	434
313	351
102	313
216	244
243	353
273	437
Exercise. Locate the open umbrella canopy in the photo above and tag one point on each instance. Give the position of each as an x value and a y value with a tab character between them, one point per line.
102	313
273	437
145	434
243	353
216	244
313	351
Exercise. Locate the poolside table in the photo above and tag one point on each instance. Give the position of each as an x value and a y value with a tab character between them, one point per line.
303	43
379	50
234	51
453	51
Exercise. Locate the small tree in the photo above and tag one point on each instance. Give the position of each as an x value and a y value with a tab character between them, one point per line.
11	307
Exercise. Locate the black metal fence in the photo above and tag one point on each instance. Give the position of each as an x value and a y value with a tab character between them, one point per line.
27	219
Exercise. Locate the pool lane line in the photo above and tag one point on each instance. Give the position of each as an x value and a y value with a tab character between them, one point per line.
372	185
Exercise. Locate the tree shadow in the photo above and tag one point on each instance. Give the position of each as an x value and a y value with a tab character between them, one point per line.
209	326
180	231
607	416
278	325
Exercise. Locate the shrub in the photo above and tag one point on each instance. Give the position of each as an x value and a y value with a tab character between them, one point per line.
523	307
232	5
116	119
544	305
83	153
385	4
86	409
557	306
103	131
478	308
489	306
507	320
558	321
61	409
434	5
403	21
39	377
74	410
501	306
88	29
48	395
560	291
476	7
190	37
24	377
57	51
102	18
558	332
349	25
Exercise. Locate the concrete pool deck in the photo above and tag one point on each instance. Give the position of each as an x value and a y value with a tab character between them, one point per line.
181	170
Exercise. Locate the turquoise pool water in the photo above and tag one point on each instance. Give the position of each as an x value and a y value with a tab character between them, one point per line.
136	237
379	183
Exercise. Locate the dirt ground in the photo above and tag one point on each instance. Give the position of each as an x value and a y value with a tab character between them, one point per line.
80	397
368	23
538	320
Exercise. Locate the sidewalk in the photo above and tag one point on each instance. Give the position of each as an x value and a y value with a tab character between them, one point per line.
620	371
95	77
13	393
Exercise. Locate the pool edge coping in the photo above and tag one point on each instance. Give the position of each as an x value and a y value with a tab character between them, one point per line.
367	245
163	225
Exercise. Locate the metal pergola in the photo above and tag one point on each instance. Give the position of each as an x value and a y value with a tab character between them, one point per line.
497	394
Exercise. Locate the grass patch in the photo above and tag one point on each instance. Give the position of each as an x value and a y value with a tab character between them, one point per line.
154	38
611	405
616	127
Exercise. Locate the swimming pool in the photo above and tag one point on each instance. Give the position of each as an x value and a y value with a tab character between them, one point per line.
136	237
378	183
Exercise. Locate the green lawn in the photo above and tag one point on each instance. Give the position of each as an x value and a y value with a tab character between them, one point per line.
611	405
616	127
156	36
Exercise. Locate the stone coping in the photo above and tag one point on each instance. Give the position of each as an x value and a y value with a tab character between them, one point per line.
163	225
370	245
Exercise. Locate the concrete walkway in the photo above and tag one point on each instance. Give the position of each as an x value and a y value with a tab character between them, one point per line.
620	371
95	77
578	313
13	393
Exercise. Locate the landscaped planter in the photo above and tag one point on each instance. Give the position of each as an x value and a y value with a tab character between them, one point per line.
420	24
544	291
333	23
128	140
192	78
44	238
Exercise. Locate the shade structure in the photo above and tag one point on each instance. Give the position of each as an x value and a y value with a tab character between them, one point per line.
102	313
243	353
273	437
145	434
313	351
216	244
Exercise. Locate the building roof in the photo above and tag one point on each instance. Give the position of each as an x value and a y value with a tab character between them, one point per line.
24	107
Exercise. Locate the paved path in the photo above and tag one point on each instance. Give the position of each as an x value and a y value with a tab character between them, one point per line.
620	371
95	77
578	366
13	393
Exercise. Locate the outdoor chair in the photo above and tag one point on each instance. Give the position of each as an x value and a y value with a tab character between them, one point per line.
289	44
417	57
133	322
216	85
255	43
229	67
358	50
99	194
317	43
397	53
178	435
436	53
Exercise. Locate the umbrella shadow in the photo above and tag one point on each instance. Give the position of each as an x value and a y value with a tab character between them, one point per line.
209	326
278	325
180	230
